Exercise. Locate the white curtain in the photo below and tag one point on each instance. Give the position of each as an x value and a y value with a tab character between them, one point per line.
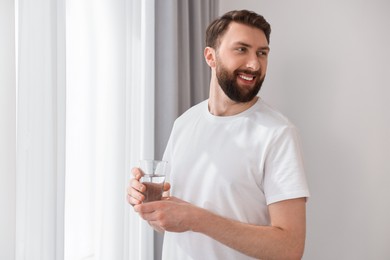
40	130
84	118
110	97
95	129
7	129
79	114
140	141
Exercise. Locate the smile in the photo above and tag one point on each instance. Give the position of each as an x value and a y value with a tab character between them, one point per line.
248	78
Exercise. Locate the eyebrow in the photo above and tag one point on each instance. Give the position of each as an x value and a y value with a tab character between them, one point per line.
249	46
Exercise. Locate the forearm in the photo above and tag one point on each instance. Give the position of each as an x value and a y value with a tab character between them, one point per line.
265	242
283	239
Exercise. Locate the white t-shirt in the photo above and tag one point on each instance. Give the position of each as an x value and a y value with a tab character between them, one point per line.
233	166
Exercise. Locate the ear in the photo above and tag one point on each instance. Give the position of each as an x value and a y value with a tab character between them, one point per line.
209	55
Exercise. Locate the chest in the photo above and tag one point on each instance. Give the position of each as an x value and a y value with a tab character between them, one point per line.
219	157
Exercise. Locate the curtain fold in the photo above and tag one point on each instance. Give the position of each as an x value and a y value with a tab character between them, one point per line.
182	75
40	135
109	126
140	111
7	129
96	80
95	130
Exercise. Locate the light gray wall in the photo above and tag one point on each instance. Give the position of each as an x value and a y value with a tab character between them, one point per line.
7	130
329	72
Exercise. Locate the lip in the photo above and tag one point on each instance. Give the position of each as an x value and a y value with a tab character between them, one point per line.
247	77
243	78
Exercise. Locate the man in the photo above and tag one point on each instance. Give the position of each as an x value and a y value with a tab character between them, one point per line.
237	185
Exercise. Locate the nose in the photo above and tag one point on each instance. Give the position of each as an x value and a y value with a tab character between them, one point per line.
253	63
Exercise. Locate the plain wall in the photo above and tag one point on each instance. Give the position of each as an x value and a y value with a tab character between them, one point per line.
7	130
329	72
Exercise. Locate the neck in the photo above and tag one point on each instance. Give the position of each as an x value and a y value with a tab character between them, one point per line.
222	105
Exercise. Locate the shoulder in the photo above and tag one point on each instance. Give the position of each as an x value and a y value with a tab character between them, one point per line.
193	112
266	116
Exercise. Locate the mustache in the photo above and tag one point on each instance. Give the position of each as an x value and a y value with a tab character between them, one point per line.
249	72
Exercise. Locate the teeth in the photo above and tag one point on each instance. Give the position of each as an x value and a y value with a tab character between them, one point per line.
246	78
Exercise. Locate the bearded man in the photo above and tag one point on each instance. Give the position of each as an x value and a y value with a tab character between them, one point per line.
237	187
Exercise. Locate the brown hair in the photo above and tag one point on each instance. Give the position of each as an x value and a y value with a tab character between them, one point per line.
218	27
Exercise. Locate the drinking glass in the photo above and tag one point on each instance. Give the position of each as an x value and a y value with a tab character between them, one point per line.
153	177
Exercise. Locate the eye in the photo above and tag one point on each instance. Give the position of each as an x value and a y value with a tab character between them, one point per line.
262	53
241	49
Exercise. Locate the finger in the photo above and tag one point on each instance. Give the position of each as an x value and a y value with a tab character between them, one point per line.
167	186
156	227
135	189
132	201
134	192
148	208
135	196
137	173
137	185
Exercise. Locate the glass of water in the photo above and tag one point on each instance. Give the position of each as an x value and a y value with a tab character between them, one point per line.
153	177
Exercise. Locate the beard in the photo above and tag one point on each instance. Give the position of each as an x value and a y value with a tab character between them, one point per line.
229	84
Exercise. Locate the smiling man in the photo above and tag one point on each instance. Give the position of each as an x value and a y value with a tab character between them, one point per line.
251	51
237	184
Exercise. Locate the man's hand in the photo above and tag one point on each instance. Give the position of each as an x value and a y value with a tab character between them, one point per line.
135	189
169	214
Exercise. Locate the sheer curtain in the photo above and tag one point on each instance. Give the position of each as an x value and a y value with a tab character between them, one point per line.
88	101
7	129
95	129
84	118
40	130
110	97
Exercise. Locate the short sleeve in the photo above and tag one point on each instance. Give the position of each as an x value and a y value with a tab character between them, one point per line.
284	175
